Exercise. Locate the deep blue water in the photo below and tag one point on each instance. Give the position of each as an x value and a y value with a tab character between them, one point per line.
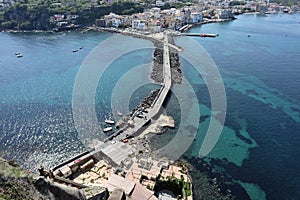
259	146
262	78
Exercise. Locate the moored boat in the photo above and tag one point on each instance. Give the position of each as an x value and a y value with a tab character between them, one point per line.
107	129
109	121
19	55
208	35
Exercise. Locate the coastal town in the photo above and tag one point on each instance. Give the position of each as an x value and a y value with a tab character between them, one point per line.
157	19
149	16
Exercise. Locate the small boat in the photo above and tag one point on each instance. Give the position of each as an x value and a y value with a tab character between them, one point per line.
249	35
109	121
19	55
107	129
80	47
75	50
208	35
145	111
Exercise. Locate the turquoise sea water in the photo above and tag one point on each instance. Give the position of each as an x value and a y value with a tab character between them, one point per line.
36	92
259	146
37	126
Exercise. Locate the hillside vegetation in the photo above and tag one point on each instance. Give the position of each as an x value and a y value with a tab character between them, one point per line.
35	14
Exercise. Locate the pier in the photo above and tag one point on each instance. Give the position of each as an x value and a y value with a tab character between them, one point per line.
200	34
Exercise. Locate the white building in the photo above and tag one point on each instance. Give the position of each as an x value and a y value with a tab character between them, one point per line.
139	24
113	20
224	13
116	22
196	17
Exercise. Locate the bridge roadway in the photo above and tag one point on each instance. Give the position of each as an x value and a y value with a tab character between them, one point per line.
118	151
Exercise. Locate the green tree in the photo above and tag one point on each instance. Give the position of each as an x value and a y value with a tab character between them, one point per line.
9	24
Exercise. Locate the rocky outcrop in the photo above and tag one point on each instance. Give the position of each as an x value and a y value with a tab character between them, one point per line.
51	190
158	126
18	184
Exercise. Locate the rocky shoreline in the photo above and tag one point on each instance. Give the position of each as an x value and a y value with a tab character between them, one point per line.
212	183
148	100
175	64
